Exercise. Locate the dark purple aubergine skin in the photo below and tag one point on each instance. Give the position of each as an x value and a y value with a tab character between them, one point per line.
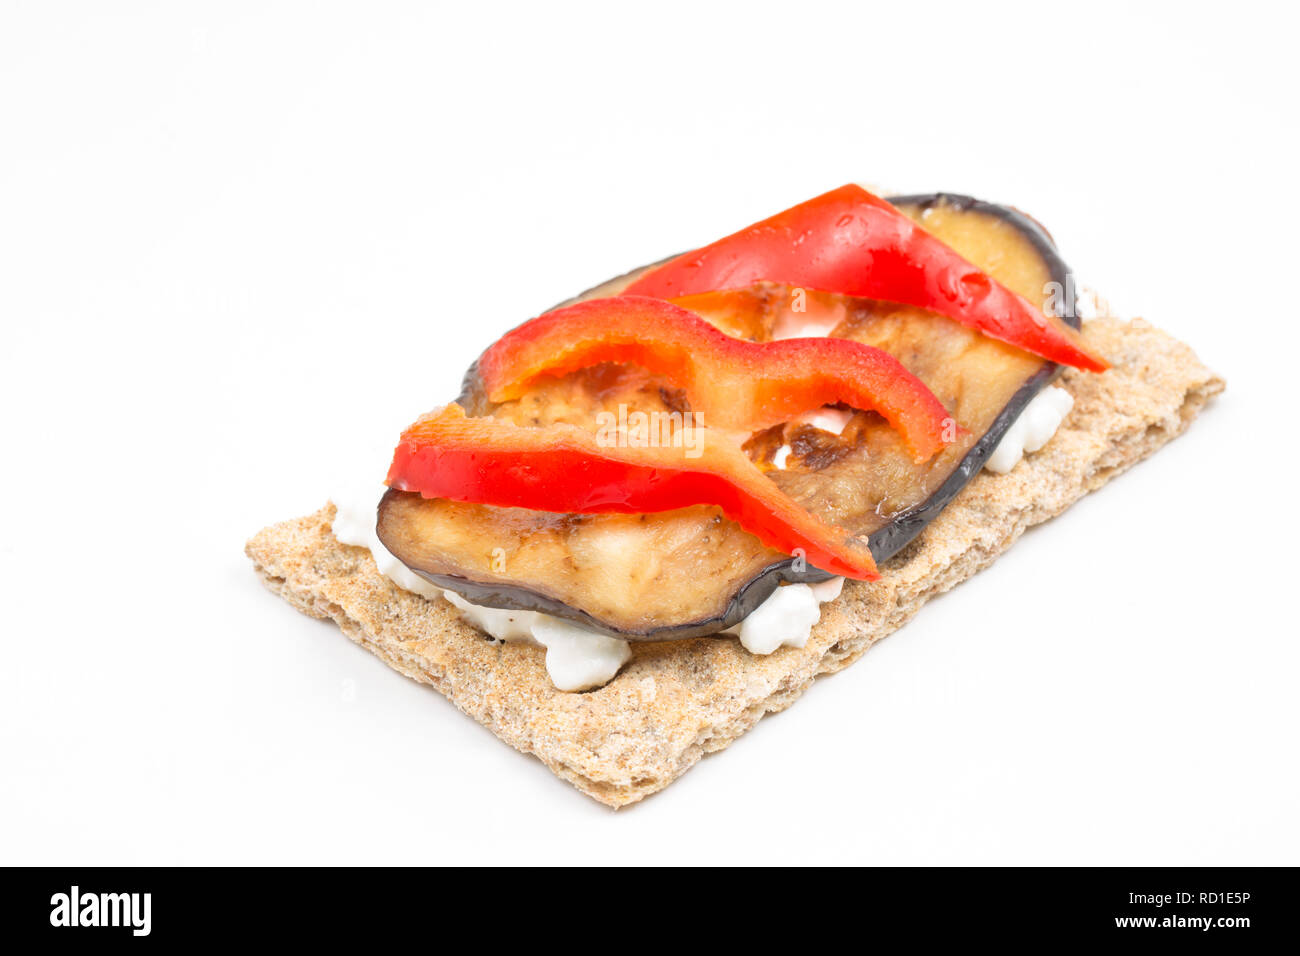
884	543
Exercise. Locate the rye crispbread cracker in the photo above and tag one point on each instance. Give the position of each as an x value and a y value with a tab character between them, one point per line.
675	702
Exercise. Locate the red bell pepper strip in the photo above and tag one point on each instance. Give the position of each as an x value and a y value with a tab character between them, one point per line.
853	243
732	383
564	468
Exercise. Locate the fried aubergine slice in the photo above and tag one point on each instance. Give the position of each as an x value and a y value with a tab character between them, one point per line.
692	572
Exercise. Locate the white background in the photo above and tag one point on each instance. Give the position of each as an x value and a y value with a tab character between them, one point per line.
241	242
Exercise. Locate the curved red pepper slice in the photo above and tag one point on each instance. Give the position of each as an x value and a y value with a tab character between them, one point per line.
853	243
564	468
732	383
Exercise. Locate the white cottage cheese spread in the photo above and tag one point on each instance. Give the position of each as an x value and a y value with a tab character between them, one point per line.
1032	430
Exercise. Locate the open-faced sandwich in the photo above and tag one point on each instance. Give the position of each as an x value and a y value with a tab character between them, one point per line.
659	511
